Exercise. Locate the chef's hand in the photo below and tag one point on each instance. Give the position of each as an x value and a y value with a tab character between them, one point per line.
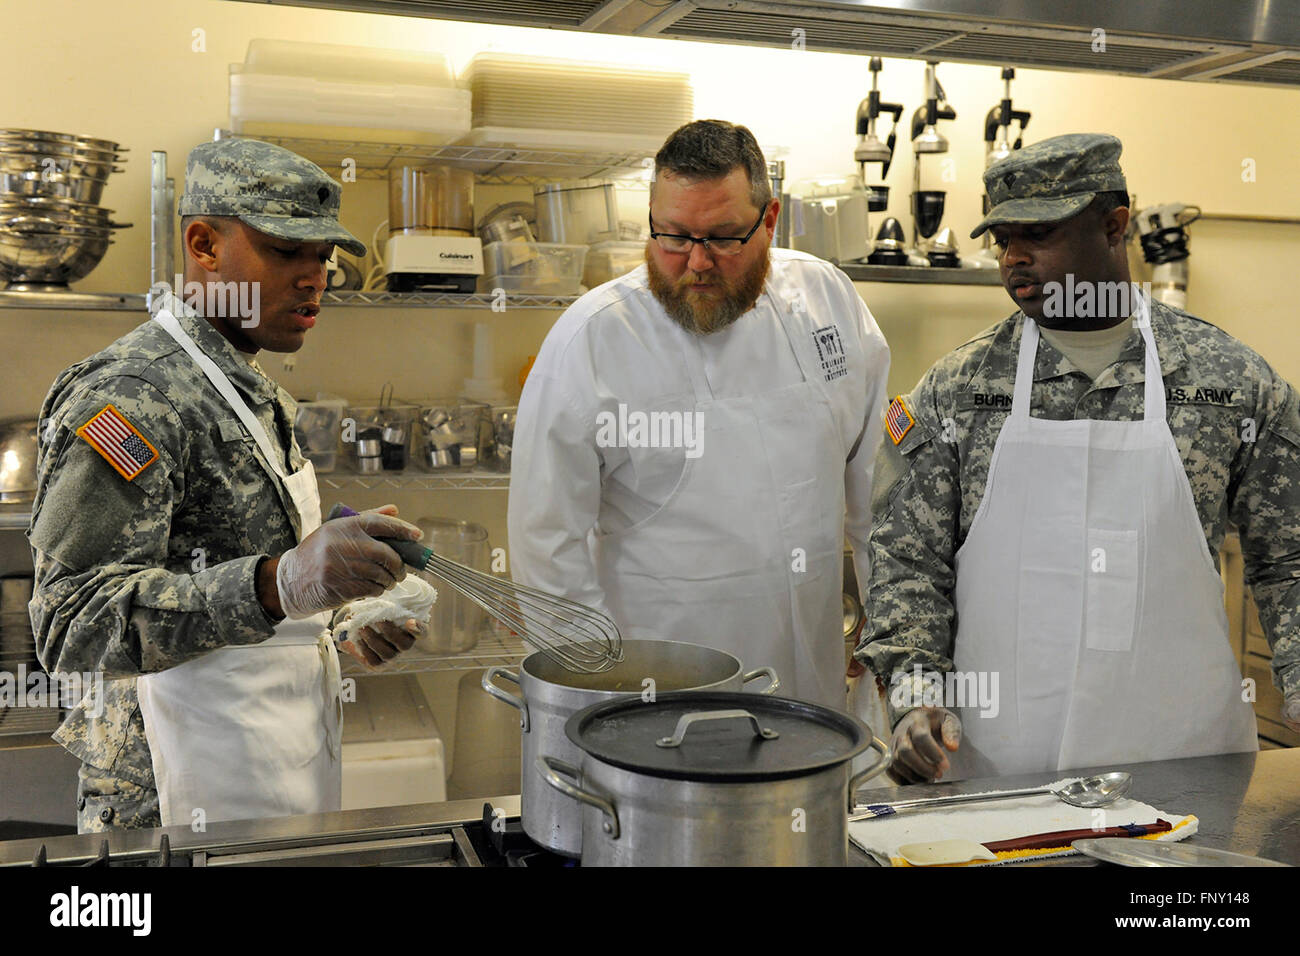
379	643
341	561
918	757
1291	712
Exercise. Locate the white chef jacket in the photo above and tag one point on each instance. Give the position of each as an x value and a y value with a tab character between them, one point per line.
616	346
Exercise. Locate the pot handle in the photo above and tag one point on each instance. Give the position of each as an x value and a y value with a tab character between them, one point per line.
517	702
550	768
684	722
863	776
774	682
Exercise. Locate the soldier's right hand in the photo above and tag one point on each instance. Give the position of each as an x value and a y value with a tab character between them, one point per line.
918	757
341	561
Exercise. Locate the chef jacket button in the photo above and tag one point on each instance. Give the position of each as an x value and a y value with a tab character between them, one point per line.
106	815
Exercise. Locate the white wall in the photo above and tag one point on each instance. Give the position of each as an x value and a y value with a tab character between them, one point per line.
128	71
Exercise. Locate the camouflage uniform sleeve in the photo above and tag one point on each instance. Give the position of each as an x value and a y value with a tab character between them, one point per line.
1264	503
104	599
916	504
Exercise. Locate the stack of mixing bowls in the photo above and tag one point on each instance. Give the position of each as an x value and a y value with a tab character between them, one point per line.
52	229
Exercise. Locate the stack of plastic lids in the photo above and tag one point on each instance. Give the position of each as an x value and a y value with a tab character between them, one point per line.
330	91
547	103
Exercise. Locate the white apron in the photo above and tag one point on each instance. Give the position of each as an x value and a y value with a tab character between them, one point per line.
746	555
1087	585
249	731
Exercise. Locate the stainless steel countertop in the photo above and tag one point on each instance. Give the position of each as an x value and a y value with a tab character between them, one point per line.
1247	803
128	845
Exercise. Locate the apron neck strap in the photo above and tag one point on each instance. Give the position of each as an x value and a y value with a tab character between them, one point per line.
1154	386
222	384
1155	382
1025	369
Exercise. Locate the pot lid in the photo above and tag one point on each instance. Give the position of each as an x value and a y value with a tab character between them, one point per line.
717	736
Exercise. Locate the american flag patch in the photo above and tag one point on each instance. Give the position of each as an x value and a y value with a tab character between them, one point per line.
898	420
118	441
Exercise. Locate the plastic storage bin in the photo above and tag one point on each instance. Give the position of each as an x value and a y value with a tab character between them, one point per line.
333	91
533	268
609	260
316	427
343	62
574	104
584	212
453	433
503	436
381	436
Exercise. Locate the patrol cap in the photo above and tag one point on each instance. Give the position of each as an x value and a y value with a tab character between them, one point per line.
1051	180
267	187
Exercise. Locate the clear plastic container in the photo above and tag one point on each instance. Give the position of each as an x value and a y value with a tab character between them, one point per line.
316	427
456	621
343	62
533	268
438	200
518	95
389	425
576	212
453	433
609	260
271	104
503	436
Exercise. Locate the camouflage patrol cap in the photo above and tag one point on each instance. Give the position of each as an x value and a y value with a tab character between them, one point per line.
267	187
1051	180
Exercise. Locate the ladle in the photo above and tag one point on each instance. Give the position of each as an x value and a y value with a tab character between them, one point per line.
1097	791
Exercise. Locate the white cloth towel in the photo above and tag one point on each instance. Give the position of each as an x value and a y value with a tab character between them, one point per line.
1006	819
412	597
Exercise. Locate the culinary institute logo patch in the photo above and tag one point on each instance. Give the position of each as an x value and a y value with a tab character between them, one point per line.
898	420
118	441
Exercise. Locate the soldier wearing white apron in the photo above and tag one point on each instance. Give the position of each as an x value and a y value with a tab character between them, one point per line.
1045	592
176	530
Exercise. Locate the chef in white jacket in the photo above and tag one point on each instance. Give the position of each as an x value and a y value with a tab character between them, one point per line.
696	437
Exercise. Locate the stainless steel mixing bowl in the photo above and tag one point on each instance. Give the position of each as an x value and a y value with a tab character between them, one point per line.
71	140
52	255
55	185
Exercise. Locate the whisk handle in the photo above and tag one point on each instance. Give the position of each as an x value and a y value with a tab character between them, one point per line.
414	554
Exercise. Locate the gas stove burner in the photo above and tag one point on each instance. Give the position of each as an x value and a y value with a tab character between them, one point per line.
512	845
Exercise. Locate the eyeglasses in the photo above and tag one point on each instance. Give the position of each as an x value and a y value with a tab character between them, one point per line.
724	245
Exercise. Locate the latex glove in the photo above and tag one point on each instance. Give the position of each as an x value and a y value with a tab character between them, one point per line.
341	561
918	757
378	643
1291	712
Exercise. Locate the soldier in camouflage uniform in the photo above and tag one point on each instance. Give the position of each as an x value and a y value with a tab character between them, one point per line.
1058	207
152	552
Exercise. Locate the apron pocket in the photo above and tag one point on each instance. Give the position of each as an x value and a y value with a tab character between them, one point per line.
1114	579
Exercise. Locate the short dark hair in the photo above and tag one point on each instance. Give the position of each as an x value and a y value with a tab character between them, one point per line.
216	222
710	149
1103	204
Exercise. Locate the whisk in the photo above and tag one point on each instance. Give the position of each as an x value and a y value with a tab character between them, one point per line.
576	637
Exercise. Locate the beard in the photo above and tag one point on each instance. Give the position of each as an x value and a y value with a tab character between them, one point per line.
705	314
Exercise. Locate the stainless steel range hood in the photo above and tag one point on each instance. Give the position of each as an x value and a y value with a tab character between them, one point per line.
1247	41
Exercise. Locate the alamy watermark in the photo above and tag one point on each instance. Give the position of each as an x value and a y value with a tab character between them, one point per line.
1088	300
226	300
635	429
39	689
972	690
